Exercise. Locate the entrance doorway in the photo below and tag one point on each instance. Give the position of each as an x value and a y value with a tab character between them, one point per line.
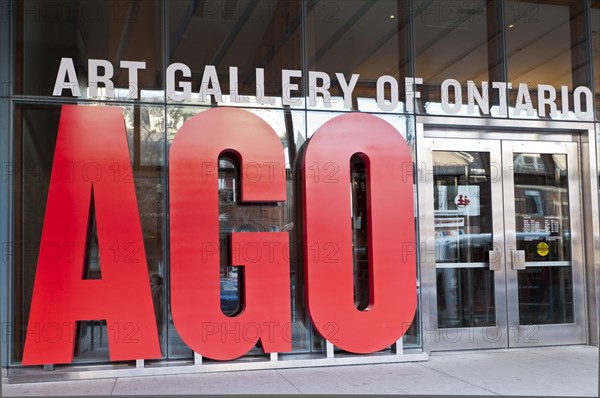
504	243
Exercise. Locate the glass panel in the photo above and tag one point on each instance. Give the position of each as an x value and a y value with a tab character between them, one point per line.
412	337
363	37
465	297
543	232
244	34
542	207
113	30
463	237
360	241
456	40
231	298
545	295
36	129
546	43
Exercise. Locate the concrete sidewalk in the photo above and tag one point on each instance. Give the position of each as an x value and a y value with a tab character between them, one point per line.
554	371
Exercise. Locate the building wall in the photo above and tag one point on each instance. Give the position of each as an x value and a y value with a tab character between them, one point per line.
555	43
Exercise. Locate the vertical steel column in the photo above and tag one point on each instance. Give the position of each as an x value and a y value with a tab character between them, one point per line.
167	53
6	167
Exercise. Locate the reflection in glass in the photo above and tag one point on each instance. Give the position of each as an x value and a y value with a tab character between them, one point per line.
463	238
231	277
358	181
458	40
412	336
545	295
465	297
546	43
543	233
244	34
91	339
363	37
35	138
112	30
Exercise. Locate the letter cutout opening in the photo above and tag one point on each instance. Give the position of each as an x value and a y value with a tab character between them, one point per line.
195	279
91	142
391	233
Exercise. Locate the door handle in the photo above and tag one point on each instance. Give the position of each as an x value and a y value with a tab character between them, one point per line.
495	260
518	259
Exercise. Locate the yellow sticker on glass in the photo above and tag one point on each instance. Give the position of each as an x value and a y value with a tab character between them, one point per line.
542	249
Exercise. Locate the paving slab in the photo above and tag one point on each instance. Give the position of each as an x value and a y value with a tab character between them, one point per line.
391	378
525	372
242	382
584	355
60	388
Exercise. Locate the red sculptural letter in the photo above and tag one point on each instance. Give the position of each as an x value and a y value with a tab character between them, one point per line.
391	233
91	144
195	249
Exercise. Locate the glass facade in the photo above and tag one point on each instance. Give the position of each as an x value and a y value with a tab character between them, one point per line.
459	49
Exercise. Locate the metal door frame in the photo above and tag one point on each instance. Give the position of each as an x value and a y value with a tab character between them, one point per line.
522	130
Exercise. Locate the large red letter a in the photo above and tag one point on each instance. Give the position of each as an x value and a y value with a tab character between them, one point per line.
91	145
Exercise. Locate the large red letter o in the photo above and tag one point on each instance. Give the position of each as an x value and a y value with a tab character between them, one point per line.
391	233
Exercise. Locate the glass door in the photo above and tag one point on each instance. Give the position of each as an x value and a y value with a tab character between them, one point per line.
542	208
463	192
501	218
